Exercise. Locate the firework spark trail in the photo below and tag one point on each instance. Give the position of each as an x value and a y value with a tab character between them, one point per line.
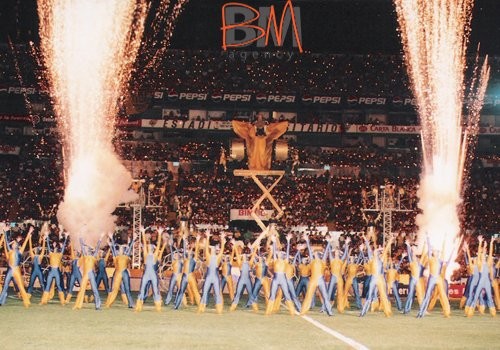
88	49
435	35
161	23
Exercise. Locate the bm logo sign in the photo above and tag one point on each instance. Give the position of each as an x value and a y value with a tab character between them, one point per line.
243	25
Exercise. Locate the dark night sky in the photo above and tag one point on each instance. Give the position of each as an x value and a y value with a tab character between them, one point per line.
340	26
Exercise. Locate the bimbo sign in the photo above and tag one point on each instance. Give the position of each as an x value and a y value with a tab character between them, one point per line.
243	25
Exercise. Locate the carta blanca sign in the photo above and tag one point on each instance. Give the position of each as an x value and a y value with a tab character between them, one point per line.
243	25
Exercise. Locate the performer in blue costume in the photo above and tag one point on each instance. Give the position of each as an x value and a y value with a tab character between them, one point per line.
290	274
244	263
102	276
484	283
212	262
175	278
261	280
76	274
36	255
279	279
150	275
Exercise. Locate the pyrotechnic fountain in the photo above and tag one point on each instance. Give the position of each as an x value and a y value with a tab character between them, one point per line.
88	48
435	35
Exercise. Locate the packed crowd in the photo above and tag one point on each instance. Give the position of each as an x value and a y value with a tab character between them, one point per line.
306	73
30	183
332	198
196	70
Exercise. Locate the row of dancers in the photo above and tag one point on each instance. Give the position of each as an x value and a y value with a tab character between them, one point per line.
265	269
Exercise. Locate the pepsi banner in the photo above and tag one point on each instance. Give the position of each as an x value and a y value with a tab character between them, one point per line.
21	90
321	100
10	150
327	101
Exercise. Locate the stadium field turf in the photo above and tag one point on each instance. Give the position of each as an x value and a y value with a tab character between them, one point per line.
59	327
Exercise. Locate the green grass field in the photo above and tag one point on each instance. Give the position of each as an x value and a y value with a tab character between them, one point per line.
59	327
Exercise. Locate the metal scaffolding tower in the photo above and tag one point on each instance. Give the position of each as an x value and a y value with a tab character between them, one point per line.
153	199
390	199
137	206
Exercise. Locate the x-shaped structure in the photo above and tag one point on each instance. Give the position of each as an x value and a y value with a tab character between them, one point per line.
266	191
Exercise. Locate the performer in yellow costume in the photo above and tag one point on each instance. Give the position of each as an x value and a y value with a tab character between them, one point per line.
121	277
351	281
188	281
435	281
13	255
259	139
317	281
88	261
473	273
377	258
337	267
55	258
416	286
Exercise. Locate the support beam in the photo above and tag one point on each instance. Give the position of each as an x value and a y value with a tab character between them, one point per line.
266	191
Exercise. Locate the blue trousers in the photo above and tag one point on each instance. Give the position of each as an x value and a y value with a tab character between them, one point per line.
431	283
171	287
125	288
181	291
483	284
36	272
332	288
102	277
301	288
95	290
150	278
279	280
411	294
355	287
54	275
257	286
211	280
474	283
76	276
395	293
293	296
8	278
371	294
244	282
